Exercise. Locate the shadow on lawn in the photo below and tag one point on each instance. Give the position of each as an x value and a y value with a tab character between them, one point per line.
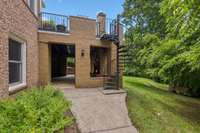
147	87
190	112
184	106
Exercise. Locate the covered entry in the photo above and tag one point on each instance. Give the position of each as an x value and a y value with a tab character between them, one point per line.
99	58
63	64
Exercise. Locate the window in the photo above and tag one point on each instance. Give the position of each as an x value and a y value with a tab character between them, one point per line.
16	62
33	5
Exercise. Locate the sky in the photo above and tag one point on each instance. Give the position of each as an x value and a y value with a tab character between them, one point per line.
87	8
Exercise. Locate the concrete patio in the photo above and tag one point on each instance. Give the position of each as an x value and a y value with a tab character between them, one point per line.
99	113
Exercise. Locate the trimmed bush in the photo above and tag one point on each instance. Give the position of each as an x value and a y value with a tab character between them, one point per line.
35	111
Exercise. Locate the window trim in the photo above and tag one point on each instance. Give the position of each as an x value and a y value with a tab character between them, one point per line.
22	83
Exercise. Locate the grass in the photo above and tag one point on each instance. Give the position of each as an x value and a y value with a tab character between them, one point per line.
153	109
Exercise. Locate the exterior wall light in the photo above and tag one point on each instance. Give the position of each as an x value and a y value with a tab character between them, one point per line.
82	52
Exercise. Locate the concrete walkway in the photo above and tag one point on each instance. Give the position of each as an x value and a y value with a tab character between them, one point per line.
99	113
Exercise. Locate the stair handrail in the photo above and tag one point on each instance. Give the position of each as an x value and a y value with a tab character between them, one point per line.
107	75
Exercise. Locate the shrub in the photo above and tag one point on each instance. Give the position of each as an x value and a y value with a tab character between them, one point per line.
70	62
49	25
49	22
37	111
183	72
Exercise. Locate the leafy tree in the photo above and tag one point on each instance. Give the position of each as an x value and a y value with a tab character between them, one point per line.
144	16
182	17
165	42
141	17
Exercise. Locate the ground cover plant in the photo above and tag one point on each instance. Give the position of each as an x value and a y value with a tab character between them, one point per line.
35	111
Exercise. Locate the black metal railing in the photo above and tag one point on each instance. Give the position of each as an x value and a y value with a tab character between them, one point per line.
107	27
54	22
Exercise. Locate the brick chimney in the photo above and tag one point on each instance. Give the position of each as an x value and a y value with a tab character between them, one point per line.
101	19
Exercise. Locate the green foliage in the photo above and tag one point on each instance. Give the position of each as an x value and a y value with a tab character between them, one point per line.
184	71
36	111
70	61
143	16
49	23
170	52
182	17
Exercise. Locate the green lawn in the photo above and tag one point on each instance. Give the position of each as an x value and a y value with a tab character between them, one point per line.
153	109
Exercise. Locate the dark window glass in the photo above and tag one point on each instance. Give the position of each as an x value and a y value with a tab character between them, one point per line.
15	61
32	4
14	50
14	72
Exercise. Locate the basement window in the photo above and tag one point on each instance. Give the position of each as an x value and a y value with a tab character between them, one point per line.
17	64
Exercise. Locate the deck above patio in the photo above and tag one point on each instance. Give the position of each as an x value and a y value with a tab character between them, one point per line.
105	29
54	22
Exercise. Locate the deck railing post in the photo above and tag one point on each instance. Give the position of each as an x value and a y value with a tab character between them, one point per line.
54	22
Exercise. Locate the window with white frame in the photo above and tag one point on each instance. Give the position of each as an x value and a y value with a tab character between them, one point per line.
17	63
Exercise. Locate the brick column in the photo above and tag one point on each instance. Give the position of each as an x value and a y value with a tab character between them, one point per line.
101	19
44	63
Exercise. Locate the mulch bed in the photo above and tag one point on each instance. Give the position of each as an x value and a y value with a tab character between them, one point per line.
74	127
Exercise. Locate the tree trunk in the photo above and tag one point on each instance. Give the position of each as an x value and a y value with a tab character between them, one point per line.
172	88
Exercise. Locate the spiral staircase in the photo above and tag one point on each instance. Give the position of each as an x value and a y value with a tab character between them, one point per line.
123	56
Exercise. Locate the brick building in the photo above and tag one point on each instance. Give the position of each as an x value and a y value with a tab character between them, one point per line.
38	48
